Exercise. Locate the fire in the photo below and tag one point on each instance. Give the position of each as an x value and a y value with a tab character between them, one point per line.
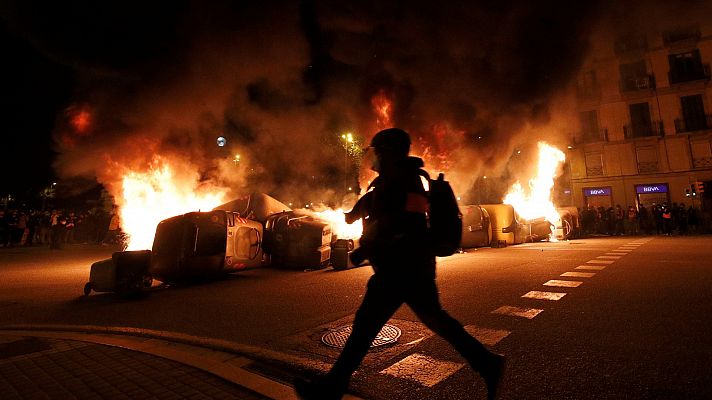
383	108
339	227
537	203
151	196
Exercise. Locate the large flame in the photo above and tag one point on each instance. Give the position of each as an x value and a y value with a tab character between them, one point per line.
339	227
537	203
150	196
383	107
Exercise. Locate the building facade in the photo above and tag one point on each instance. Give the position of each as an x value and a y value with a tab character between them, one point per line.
645	109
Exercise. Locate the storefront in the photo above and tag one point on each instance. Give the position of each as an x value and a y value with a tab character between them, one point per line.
597	197
652	194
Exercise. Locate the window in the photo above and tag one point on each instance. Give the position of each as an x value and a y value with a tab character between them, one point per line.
589	126
640	124
701	153
588	85
647	159
594	164
693	113
686	67
634	76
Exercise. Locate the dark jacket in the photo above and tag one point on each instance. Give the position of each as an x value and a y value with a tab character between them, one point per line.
395	237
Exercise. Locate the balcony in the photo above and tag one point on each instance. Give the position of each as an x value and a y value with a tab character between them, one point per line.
590	92
647	167
600	135
635	131
702	123
702	72
630	44
635	83
685	35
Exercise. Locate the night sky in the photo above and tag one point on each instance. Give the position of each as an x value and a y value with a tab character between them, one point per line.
91	85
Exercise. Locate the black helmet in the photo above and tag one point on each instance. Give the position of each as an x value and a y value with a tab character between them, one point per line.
393	141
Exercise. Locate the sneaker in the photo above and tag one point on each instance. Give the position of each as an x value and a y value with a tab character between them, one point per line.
317	390
493	374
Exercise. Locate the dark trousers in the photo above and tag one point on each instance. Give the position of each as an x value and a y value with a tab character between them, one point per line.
383	297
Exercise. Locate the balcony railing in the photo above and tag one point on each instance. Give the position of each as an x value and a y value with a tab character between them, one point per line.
687	34
600	135
697	74
637	83
702	123
588	92
653	129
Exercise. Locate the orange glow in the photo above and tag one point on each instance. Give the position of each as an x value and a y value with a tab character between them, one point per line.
150	196
339	227
383	107
537	202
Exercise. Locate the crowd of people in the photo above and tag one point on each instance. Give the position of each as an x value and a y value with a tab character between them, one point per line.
57	228
660	219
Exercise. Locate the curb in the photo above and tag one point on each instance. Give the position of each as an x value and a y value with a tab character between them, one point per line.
218	357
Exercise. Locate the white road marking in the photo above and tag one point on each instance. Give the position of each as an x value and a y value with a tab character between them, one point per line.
544	295
624	250
579	274
610	257
617	253
599	262
591	267
527	313
425	370
560	283
488	336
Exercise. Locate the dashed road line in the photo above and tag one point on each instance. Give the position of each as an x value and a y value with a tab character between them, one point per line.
560	283
600	262
488	336
579	274
591	267
422	369
609	257
617	253
534	294
528	313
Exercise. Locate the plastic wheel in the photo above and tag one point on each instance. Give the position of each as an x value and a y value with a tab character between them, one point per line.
87	289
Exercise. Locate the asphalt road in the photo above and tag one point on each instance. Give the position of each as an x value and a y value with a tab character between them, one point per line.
637	329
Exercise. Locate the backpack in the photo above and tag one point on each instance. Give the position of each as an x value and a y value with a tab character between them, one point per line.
444	216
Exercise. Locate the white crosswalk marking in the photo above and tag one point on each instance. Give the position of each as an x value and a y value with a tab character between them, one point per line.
527	313
425	370
560	283
617	253
544	295
487	336
591	267
609	257
599	262
579	274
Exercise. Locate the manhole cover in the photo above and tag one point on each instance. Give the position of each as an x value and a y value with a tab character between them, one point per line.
337	337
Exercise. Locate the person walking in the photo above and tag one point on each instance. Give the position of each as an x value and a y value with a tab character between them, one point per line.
396	242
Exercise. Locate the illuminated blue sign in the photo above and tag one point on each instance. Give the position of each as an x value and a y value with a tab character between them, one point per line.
651	188
603	191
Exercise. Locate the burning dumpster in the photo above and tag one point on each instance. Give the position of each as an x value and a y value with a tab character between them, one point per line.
296	240
476	227
125	272
203	244
506	224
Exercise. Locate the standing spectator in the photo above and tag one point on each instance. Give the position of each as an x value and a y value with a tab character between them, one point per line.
69	228
619	220
12	221
3	229
643	220
22	228
112	235
57	230
658	216
667	220
633	226
43	227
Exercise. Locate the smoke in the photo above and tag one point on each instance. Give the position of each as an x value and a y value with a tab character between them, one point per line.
281	82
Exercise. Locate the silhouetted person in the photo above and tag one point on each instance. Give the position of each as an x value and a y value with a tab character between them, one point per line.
395	240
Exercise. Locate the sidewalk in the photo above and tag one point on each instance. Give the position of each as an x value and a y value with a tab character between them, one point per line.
71	365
